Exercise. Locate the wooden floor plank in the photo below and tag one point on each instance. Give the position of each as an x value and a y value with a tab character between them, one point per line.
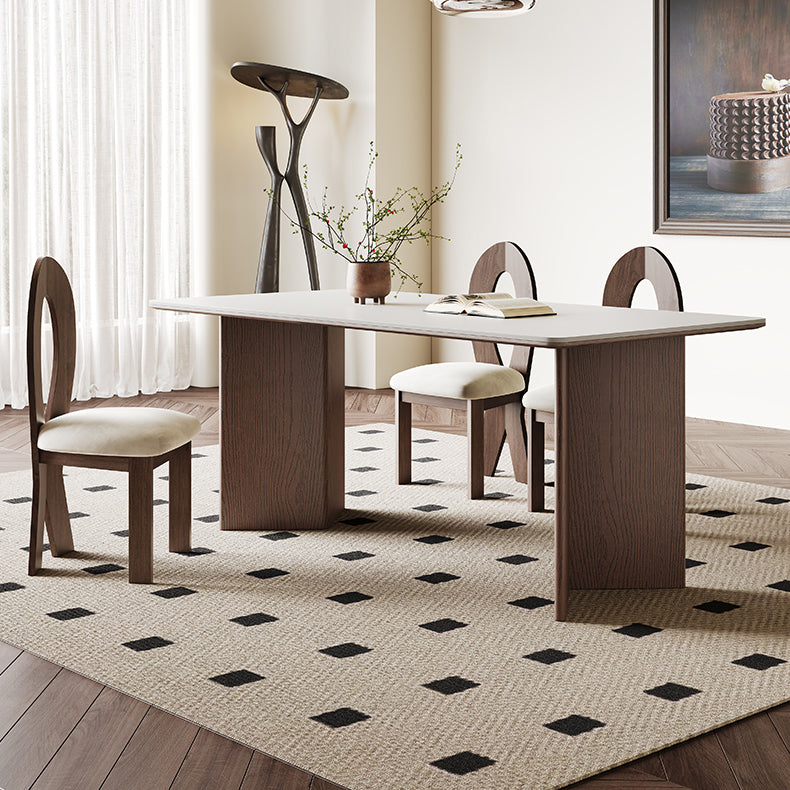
650	783
15	435
643	769
780	717
209	431
43	728
620	776
13	461
20	685
322	784
90	751
756	753
368	401
154	755
351	396
699	763
8	654
266	773
213	763
646	770
385	411
711	455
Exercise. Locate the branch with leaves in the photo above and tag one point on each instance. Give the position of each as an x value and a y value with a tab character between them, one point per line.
382	234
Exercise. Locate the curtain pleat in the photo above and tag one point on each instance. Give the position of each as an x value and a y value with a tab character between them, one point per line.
94	161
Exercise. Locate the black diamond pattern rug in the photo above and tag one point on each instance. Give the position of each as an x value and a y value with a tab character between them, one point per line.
412	646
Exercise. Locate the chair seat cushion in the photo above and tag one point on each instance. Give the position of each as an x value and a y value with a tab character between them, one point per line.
118	431
462	380
540	398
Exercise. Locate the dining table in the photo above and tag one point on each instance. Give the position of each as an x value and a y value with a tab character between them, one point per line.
619	419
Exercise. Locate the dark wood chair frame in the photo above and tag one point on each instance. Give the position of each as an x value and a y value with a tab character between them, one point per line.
636	265
489	420
49	283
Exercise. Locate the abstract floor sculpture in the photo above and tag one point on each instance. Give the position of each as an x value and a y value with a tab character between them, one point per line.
414	646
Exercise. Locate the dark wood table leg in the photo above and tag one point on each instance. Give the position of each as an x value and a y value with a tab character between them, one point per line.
620	512
281	425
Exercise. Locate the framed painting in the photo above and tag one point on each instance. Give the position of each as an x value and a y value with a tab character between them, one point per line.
722	141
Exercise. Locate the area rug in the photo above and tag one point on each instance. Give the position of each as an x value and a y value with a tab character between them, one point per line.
413	645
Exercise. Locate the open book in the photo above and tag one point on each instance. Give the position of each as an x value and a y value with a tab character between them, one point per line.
493	305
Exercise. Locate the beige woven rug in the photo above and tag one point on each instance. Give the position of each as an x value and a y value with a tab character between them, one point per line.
413	646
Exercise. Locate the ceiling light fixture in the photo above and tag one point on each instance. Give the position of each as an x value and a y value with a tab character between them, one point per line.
483	8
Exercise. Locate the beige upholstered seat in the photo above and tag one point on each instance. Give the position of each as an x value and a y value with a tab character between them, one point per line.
462	380
131	432
540	398
489	390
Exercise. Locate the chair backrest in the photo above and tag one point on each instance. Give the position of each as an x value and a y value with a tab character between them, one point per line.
504	256
643	263
49	282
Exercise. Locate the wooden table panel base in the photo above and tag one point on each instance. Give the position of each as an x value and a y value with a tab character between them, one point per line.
620	513
282	440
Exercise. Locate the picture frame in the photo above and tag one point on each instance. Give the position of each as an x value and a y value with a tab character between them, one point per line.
705	49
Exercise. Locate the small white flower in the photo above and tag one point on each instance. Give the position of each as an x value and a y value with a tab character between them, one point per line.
770	83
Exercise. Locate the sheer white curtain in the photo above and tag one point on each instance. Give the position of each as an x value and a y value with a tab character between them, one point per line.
94	157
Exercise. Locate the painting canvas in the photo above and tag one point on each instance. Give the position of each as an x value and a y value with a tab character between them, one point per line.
723	142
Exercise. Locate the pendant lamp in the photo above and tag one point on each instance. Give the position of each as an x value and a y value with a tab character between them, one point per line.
483	8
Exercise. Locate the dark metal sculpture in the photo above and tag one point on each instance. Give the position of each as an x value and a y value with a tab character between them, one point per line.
281	83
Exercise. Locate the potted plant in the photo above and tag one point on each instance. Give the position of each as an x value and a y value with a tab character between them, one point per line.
386	225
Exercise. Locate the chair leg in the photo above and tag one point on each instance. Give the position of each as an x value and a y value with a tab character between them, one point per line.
57	512
475	421
535	467
517	439
403	430
38	509
141	521
494	439
180	477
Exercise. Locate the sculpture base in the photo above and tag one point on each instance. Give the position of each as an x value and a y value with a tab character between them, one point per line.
749	175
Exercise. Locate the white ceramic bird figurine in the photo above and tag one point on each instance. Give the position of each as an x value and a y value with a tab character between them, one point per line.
770	83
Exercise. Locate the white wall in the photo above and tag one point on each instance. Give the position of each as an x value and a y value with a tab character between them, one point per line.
230	177
554	110
402	138
372	49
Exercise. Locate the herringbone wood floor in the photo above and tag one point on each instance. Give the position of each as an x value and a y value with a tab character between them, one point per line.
60	731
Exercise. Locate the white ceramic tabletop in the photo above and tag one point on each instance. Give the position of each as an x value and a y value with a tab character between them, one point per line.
573	325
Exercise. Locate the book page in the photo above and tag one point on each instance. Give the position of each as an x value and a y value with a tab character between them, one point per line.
513	302
489	297
457	303
508	308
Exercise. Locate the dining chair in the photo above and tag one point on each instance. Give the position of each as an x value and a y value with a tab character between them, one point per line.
133	440
636	265
489	390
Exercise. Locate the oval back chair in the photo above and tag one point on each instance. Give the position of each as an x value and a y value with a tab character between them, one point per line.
134	440
636	265
489	390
